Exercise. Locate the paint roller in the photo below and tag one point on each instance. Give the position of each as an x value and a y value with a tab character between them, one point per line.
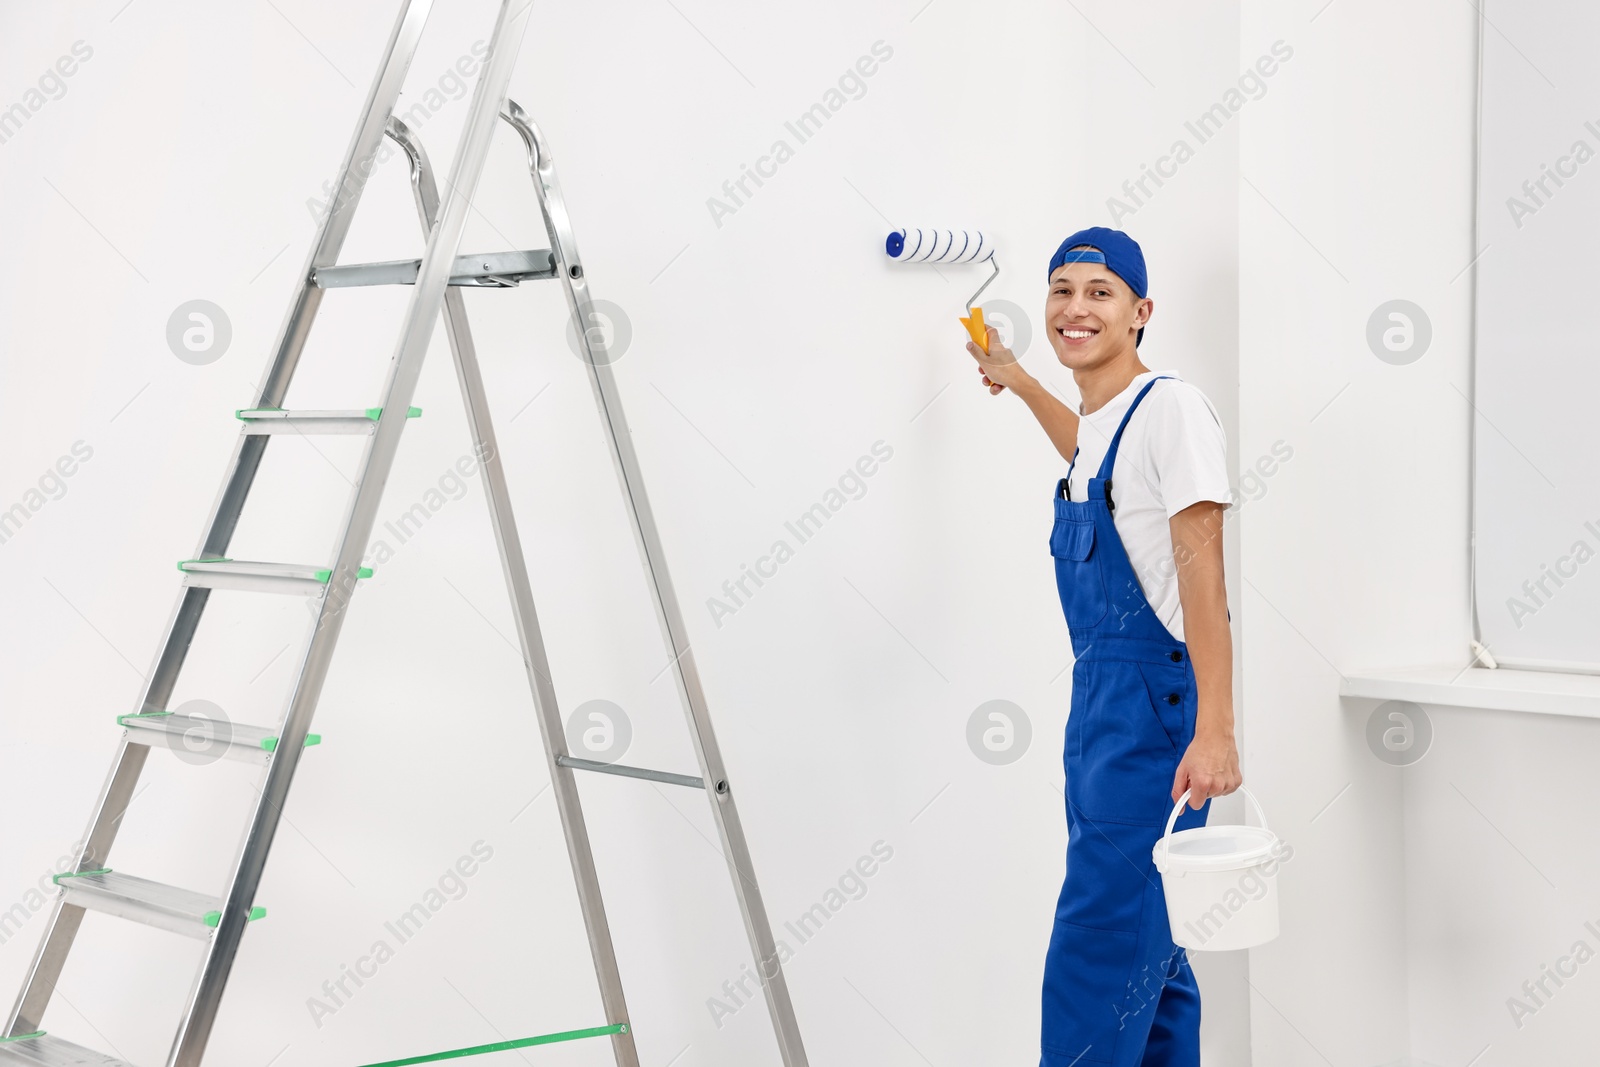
949	246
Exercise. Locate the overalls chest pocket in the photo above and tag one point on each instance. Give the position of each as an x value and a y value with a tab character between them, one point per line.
1078	578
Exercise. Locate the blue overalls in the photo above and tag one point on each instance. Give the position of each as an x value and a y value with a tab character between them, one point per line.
1116	989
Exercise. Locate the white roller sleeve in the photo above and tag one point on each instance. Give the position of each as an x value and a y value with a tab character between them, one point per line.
938	246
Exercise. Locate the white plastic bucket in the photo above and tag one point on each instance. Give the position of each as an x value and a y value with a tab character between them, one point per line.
1221	882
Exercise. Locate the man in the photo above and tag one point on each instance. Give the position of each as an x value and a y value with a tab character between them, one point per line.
1138	557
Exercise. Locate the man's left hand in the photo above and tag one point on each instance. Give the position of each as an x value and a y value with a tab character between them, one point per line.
1210	768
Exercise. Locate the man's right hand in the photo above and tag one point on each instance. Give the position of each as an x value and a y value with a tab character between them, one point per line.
999	366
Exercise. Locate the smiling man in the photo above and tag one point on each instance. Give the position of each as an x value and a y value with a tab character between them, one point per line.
1138	558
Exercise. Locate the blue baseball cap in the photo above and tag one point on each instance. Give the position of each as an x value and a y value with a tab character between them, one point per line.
1119	252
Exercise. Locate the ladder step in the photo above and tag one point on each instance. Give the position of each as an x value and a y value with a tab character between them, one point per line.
152	903
244	742
631	772
46	1050
277	420
496	270
294	578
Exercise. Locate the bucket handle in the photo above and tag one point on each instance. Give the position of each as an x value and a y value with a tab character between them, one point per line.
1173	818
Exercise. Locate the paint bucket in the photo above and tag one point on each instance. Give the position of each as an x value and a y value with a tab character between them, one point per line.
1221	882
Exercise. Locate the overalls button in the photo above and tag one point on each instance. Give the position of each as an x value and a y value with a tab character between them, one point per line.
1172	698
1177	657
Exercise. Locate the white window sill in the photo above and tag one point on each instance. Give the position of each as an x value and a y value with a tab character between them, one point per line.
1539	692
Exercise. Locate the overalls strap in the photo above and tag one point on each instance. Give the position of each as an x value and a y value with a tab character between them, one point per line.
1108	464
1064	487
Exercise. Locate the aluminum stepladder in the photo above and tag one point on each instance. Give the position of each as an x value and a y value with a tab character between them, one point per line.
436	280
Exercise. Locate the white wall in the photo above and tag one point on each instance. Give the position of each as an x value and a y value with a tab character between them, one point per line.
768	354
1536	481
1509	791
1355	190
1422	897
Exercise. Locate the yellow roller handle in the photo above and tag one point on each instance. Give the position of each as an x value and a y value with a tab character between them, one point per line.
975	327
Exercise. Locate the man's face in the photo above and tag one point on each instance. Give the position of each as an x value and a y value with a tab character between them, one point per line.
1091	315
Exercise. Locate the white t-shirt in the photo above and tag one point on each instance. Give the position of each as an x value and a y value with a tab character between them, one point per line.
1174	453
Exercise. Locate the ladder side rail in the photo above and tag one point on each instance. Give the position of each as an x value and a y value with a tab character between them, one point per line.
359	159
718	791
65	919
405	368
332	230
61	929
530	637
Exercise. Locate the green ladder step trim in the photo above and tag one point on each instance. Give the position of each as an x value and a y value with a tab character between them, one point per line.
503	1046
122	720
325	573
214	917
271	743
23	1037
411	413
268	743
56	878
239	413
322	575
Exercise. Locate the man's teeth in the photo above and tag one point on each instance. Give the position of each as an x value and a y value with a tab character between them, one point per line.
1077	333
